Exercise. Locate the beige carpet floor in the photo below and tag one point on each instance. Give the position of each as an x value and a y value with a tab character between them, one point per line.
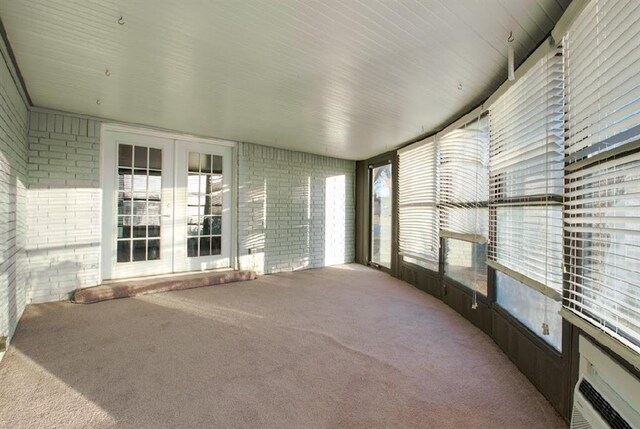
341	347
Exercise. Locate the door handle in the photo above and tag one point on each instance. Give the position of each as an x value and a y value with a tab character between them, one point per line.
165	215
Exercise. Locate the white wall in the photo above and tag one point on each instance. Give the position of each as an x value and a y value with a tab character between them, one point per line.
64	201
13	202
296	210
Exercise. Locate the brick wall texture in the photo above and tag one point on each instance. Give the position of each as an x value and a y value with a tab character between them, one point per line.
64	202
13	202
296	210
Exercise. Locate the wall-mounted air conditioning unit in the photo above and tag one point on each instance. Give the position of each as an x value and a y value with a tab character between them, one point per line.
606	395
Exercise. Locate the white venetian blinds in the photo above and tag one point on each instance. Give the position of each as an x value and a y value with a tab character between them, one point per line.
464	182
417	204
602	187
526	177
603	89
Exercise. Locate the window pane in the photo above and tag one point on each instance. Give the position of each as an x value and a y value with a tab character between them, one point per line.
194	162
216	225
216	210
124	251
125	180
140	184
125	156
419	225
140	231
216	245
155	186
205	163
153	209
139	209
205	246
530	306
193	217
192	247
155	159
124	228
153	230
206	226
381	210
529	241
124	204
465	220
140	157
153	250
465	262
139	250
215	182
217	165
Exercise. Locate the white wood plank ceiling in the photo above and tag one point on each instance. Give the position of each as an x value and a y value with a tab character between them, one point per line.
345	78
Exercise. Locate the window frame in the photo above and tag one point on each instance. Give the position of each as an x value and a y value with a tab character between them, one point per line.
464	205
408	259
370	167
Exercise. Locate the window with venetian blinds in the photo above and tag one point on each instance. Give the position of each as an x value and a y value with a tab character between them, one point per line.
463	160
417	205
602	187
464	182
526	177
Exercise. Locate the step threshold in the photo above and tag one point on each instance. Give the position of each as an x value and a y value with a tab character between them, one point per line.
129	288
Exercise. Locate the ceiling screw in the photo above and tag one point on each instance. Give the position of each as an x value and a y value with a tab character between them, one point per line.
98	101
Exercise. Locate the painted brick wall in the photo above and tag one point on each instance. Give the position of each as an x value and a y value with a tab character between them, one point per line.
64	202
13	202
296	210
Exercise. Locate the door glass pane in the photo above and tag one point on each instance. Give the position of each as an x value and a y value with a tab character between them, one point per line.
192	247
139	203
155	159
124	251
125	155
140	158
381	209
153	249
139	250
204	204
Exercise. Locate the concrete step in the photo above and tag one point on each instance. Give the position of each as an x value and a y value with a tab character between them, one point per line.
124	289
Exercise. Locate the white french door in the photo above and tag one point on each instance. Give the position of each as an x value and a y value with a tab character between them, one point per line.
166	205
203	206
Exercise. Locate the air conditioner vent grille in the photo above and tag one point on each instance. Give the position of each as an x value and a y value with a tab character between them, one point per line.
578	421
602	406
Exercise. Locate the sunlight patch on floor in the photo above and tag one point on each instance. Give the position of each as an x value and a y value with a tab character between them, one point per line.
54	404
209	311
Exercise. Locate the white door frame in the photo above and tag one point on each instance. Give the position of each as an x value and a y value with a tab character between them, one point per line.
107	235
